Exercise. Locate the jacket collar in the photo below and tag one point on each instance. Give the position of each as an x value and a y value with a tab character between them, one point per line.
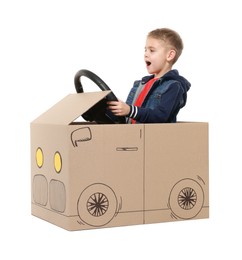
169	74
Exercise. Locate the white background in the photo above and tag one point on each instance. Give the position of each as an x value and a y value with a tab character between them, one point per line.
44	43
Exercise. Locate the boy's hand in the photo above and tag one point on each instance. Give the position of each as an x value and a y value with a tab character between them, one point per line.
118	108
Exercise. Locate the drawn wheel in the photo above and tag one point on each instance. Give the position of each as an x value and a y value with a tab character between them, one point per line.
186	199
97	205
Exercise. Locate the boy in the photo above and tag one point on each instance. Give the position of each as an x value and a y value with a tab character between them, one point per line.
156	98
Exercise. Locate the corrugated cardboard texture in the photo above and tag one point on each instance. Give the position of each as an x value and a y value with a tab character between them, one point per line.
87	175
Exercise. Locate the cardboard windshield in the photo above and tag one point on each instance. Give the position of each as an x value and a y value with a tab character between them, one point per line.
71	107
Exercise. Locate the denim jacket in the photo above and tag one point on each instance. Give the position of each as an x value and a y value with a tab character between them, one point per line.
164	100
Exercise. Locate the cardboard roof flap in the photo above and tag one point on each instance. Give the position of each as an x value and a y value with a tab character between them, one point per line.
70	108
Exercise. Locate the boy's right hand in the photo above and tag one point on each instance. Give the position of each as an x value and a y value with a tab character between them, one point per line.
118	108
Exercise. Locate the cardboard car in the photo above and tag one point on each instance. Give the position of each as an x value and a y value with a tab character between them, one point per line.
86	175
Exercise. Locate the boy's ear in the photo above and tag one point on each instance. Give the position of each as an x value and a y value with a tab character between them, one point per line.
171	55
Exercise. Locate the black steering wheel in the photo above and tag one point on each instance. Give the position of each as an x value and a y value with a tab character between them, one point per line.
99	112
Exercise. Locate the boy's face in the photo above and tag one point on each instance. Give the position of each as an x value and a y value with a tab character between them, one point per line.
157	57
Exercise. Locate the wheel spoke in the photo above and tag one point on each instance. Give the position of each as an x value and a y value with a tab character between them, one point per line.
187	198
97	204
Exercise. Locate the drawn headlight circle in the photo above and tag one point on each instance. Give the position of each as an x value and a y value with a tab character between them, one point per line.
57	162
39	156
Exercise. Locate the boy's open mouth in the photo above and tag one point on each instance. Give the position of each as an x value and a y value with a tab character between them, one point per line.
148	63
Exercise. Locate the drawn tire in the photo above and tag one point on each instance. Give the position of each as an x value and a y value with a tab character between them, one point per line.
186	199
97	205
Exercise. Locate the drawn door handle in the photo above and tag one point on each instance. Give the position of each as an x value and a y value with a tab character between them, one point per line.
127	149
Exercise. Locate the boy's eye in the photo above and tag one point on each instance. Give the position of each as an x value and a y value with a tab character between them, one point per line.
149	50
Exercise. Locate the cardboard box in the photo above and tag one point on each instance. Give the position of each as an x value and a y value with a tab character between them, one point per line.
86	175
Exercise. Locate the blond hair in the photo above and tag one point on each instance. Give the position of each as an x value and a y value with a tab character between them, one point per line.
171	38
